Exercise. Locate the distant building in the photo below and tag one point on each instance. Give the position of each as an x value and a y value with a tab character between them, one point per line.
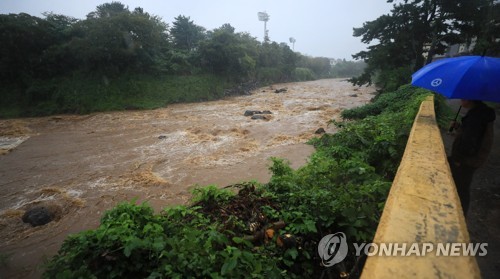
467	48
453	50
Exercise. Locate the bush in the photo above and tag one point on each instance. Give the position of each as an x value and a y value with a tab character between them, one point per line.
386	102
133	242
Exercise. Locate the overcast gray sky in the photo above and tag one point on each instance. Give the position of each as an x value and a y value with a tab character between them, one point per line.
320	27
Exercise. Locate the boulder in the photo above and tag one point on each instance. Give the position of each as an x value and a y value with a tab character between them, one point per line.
320	131
251	112
254	112
38	216
260	116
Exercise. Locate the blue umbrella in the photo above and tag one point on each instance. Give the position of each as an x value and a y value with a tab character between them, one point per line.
465	77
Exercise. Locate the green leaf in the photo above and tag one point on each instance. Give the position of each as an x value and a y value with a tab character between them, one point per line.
238	240
159	244
229	265
310	225
131	245
292	252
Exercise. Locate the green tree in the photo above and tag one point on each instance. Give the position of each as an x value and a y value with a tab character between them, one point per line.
60	24
228	53
57	59
404	34
277	62
485	25
288	60
319	65
115	40
345	68
185	34
24	39
108	10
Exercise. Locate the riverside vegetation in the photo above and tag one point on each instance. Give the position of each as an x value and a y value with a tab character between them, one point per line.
260	230
119	59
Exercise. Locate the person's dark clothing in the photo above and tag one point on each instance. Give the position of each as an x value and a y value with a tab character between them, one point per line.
471	148
473	142
462	175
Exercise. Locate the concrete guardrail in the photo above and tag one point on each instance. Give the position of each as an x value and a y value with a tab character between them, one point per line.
422	207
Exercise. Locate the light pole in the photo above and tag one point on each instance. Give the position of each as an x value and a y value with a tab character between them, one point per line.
263	16
292	41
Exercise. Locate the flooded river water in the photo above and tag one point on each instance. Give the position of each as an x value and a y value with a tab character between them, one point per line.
84	165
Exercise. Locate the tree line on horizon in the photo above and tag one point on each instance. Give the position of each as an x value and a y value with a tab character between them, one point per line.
114	43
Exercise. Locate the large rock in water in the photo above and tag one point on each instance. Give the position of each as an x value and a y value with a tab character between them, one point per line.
261	116
252	112
38	216
320	131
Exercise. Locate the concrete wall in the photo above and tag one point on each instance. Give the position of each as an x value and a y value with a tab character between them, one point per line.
422	207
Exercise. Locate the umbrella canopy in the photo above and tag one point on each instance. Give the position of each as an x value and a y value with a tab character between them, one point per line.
465	77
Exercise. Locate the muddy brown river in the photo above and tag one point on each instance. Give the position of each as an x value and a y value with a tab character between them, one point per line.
83	165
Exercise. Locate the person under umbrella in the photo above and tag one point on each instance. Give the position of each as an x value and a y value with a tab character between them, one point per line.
471	79
471	146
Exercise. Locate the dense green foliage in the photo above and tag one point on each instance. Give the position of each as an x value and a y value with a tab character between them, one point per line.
323	67
84	94
416	27
344	69
223	234
118	58
303	74
133	242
